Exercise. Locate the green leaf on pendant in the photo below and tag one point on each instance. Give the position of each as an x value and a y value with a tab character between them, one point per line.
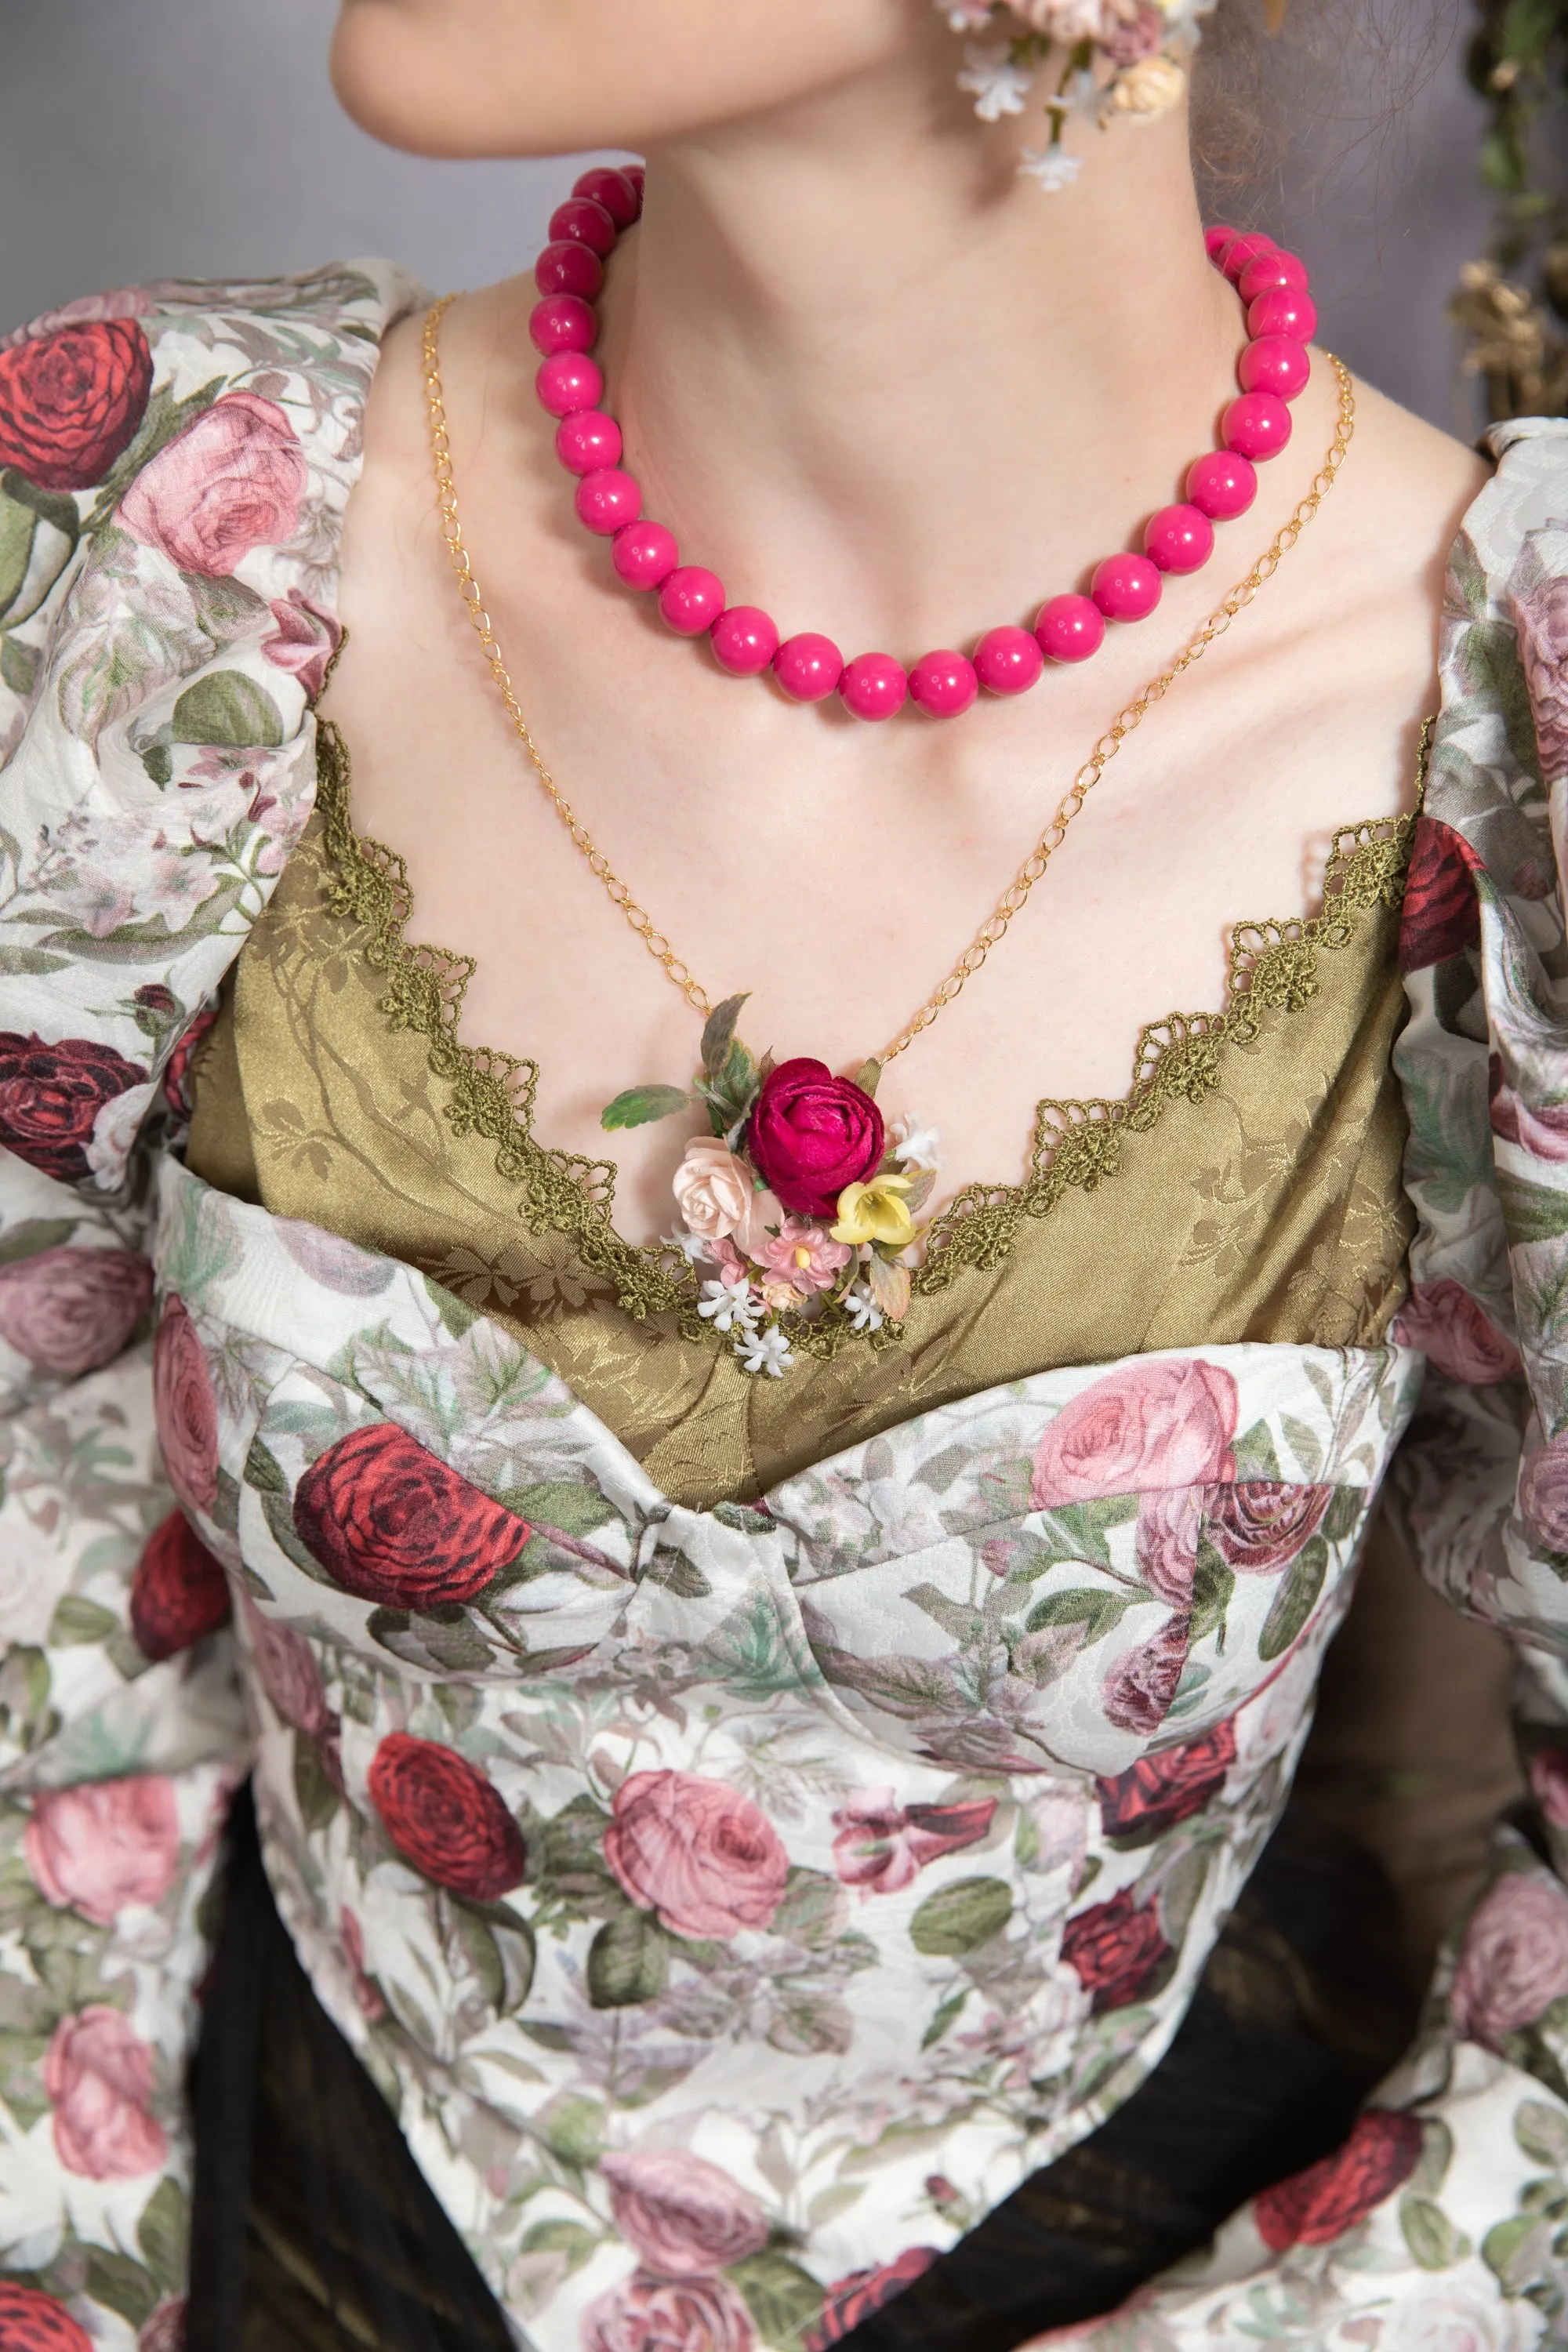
640	1106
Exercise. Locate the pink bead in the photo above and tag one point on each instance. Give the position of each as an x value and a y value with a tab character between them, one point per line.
634	175
1220	485
1274	363
644	554
1125	587
1069	628
588	442
1179	538
562	322
691	600
945	684
567	269
809	666
744	641
1215	239
1007	661
1283	273
1282	314
585	223
1233	261
1258	424
874	685
613	190
607	500
567	383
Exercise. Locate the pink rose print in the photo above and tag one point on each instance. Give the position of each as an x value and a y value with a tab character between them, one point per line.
1167	1422
1549	1782
1170	1522
1514	1963
851	2299
1544	1495
304	641
98	2077
1443	1320
69	1310
701	1857
882	1846
1138	1689
285	1669
655	2315
1259	1524
367	1993
185	1409
165	2331
681	2216
1540	1129
231	481
96	1848
1542	620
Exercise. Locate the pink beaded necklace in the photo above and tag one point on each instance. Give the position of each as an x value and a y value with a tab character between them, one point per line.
1273	369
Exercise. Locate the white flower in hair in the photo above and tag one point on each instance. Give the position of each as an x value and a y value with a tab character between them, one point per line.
997	86
765	1351
730	1306
968	16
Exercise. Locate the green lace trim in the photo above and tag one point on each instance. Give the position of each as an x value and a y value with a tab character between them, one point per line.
1273	968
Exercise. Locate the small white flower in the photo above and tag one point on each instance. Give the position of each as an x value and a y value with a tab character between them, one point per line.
864	1312
1053	167
729	1306
765	1351
693	1247
966	15
997	86
915	1145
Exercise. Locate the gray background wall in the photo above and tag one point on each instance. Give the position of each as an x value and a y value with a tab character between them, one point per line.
156	137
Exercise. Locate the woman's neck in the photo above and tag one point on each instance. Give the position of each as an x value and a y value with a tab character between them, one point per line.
883	384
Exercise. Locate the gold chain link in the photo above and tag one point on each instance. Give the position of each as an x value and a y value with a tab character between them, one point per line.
1013	898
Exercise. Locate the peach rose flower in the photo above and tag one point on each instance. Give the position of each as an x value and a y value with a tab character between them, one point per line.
717	1198
98	2077
97	1848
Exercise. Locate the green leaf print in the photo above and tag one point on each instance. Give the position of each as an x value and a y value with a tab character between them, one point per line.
785	2300
225	707
572	2127
76	1620
1433	2240
567	1507
18	524
120	2285
19	666
813	1909
162	2234
1098	1611
313	1792
628	1961
1295	1600
1541	2132
640	1106
959	1918
1254	1455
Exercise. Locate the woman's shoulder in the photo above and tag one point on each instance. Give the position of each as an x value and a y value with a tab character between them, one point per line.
174	463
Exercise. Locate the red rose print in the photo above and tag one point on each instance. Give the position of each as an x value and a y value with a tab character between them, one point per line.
184	1408
1314	2207
701	1856
1158	1791
1258	1524
231	481
70	402
1138	1689
98	2077
811	1134
882	1847
177	1075
645	2314
50	1096
1443	1321
1442	916
1115	1949
32	2321
179	1593
850	2300
444	1817
69	1310
391	1522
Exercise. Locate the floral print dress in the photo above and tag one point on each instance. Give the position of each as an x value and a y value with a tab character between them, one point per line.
728	1901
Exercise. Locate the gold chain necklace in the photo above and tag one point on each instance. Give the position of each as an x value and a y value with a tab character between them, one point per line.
1013	898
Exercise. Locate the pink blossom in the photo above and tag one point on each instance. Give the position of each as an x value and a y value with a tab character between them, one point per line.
681	2216
1161	1422
165	2331
1138	1689
305	640
285	1668
185	1409
231	481
645	2314
882	1847
367	1995
1170	1522
1443	1321
803	1255
1514	1963
69	1310
1540	1129
106	1843
98	2077
698	1854
1542	620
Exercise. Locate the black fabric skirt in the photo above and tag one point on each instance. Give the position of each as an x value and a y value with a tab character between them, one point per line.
313	2230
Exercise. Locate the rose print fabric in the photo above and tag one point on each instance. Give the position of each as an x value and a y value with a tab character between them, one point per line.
729	1901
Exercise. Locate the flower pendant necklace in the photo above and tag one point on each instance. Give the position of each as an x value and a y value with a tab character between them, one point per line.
803	1199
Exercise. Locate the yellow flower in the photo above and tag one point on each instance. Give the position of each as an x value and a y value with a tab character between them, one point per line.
876	1212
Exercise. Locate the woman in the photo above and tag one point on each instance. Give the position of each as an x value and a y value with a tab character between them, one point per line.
760	1704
